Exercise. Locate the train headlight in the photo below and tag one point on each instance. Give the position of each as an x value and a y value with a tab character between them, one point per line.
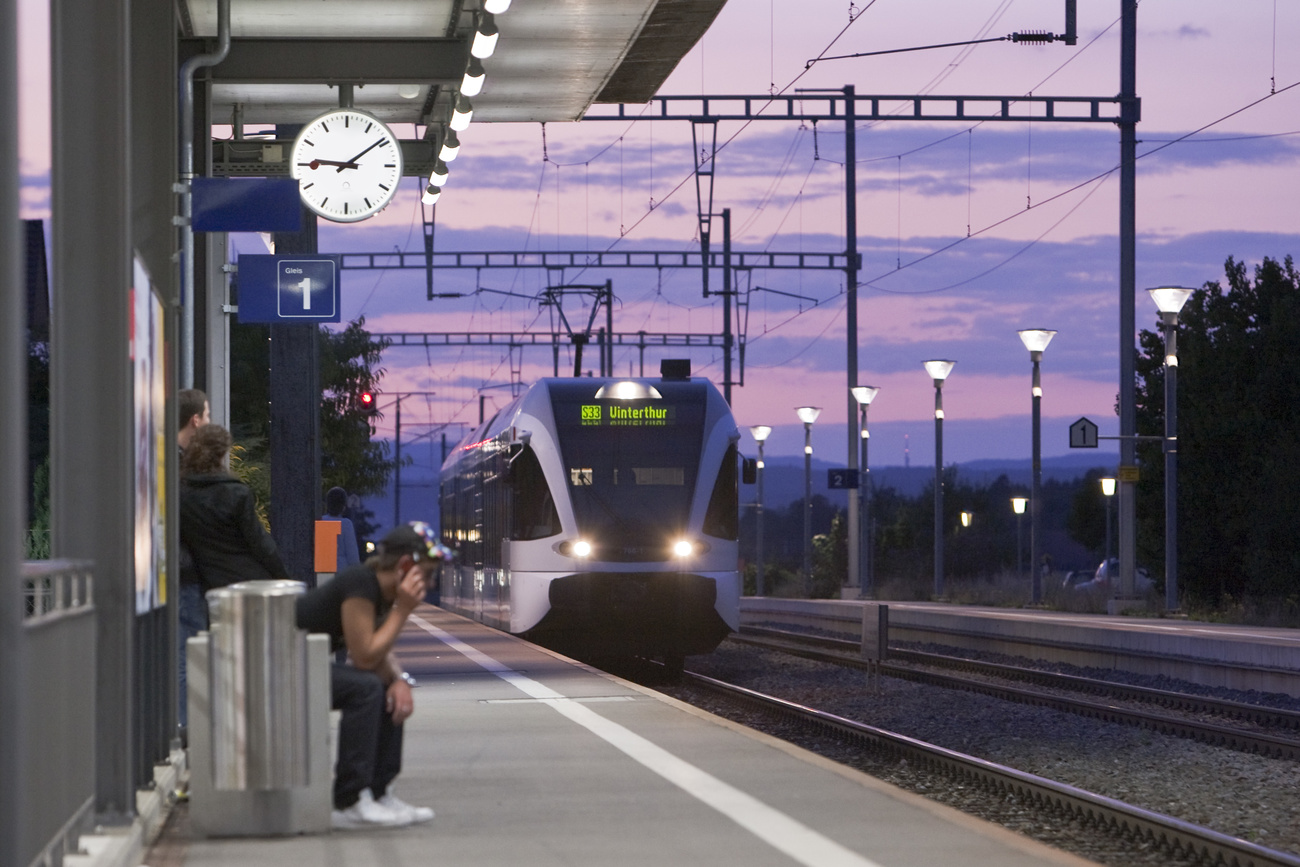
580	548
683	548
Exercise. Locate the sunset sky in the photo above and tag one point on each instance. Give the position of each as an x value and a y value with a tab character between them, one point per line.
1218	172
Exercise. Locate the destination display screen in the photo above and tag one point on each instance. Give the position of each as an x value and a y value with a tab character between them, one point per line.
627	414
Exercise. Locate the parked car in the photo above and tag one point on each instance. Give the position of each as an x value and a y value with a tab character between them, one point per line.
1100	579
1076	577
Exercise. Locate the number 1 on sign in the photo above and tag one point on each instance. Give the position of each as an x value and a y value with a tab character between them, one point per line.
305	285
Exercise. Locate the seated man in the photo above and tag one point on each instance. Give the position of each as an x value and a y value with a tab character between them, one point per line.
363	610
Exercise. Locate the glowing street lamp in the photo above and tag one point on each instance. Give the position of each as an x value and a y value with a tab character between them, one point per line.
807	415
1108	491
1018	506
864	395
1036	340
760	433
938	370
1170	300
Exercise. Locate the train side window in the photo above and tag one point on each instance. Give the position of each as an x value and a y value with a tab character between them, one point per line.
721	519
534	514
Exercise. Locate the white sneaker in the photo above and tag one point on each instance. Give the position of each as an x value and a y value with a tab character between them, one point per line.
367	813
397	805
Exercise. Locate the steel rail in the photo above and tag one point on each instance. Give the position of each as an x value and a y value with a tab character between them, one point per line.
1259	714
1208	733
1171	834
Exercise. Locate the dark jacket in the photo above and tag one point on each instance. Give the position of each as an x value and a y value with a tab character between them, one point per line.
189	573
220	527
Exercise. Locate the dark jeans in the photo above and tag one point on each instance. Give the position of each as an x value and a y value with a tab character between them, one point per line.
370	746
192	616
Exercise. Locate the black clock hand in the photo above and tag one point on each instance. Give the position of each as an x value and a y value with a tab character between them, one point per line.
315	164
352	164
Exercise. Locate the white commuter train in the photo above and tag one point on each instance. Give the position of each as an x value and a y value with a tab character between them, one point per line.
599	517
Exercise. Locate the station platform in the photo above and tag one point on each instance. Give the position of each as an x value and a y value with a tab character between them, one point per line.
532	758
1212	654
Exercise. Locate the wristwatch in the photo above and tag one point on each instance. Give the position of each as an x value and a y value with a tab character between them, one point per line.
410	681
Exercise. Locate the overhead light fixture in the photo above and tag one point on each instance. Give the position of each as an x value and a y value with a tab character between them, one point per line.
808	414
1036	339
408	91
485	38
864	394
496	7
438	177
1170	299
431	195
461	114
472	83
450	147
939	369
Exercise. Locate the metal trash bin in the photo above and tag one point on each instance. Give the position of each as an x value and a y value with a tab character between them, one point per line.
258	677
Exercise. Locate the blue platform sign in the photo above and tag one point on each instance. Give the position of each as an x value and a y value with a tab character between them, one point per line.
246	205
294	287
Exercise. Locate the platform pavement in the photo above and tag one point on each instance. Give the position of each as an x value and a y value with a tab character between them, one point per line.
530	758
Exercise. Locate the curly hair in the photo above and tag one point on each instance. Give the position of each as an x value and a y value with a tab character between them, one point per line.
207	451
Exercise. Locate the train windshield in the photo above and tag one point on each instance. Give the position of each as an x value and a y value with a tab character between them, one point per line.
631	465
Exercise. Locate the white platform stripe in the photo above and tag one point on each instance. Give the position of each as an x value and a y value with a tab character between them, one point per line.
792	837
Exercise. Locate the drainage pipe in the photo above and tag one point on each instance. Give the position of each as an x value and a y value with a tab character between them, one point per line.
185	187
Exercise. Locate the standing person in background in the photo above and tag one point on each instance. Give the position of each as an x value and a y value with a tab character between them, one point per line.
363	611
193	411
219	522
336	504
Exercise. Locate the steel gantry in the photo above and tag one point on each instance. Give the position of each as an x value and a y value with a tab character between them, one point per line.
847	106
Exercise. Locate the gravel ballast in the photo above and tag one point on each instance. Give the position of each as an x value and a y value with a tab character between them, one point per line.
1235	793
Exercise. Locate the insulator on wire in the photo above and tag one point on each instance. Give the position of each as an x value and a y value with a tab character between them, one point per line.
1033	36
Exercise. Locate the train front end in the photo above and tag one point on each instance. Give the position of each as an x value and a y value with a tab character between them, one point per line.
620	536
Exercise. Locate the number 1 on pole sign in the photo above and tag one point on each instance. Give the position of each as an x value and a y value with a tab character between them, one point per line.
306	293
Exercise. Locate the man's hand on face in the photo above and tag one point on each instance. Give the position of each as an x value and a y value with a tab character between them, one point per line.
411	588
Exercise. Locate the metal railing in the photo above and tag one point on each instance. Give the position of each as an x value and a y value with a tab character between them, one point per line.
57	735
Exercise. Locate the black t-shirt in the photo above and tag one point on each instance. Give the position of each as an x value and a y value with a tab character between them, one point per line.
321	609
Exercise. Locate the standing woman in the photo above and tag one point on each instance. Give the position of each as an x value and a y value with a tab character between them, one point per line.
219	522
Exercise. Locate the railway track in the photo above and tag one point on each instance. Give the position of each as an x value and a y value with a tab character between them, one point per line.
843	652
1139	827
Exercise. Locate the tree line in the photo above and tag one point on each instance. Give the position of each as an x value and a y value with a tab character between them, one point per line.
1238	441
994	545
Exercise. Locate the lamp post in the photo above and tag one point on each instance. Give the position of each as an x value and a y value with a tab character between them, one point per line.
938	370
864	395
1018	506
760	434
1036	340
1170	300
807	415
1108	491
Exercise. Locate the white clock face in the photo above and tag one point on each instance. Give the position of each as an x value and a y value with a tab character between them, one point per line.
347	164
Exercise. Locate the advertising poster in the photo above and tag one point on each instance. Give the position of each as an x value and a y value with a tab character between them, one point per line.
150	443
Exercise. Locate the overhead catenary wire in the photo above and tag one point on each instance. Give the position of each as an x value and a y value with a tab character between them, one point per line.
971	231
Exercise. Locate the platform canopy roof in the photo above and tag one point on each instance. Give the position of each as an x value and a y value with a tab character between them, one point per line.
406	58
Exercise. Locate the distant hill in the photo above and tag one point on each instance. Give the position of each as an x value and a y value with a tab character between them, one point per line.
783	481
